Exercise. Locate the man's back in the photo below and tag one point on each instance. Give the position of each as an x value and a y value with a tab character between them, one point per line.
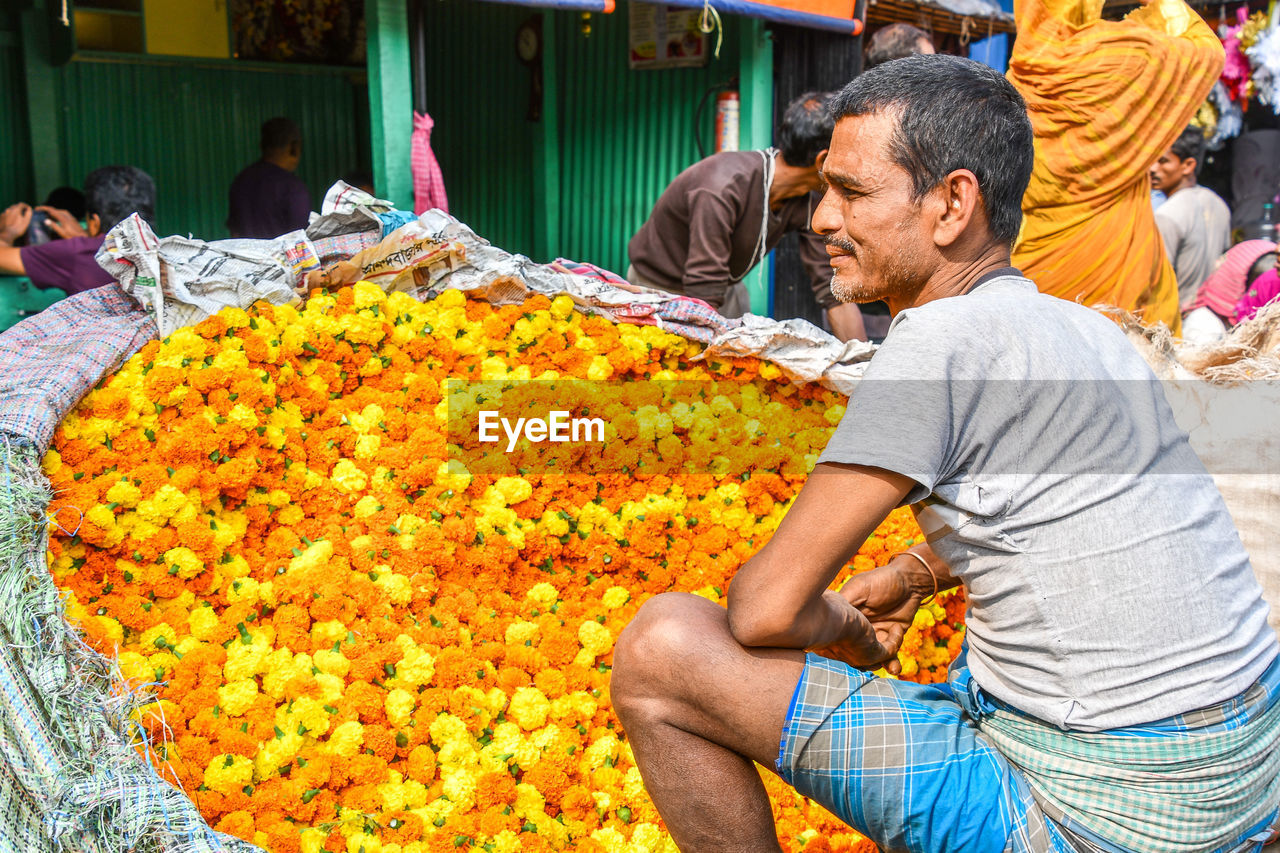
267	201
66	264
1195	225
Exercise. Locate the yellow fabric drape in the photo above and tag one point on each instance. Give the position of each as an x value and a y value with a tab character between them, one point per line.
1106	98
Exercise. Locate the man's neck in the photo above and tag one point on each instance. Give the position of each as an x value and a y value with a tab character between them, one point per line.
1180	186
789	181
954	279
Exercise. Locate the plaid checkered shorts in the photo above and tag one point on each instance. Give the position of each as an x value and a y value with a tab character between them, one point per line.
904	765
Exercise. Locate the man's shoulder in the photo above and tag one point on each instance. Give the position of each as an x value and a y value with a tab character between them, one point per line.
724	167
65	248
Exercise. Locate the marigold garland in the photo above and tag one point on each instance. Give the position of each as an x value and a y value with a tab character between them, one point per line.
359	644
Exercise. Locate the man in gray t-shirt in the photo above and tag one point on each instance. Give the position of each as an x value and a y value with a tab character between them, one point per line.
1120	689
1194	223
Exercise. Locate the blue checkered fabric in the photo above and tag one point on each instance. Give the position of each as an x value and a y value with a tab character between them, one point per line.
905	766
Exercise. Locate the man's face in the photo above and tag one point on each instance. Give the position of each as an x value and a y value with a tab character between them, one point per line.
1170	170
880	244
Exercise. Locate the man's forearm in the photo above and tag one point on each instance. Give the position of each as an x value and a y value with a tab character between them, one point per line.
11	261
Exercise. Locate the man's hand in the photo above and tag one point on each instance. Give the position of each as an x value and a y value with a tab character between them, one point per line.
14	222
860	643
62	223
888	600
846	322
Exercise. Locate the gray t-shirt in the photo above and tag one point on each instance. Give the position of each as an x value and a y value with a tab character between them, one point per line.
1195	225
1107	583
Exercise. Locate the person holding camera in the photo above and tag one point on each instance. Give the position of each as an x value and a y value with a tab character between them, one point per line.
111	194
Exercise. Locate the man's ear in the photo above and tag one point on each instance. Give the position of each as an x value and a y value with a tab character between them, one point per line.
962	204
1189	166
820	159
93	224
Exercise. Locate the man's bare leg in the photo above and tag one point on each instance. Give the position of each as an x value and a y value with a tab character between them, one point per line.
698	709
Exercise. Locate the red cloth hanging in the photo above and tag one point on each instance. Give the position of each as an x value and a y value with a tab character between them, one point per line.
428	180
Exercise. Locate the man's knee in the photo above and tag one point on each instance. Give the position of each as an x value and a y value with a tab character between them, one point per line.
667	637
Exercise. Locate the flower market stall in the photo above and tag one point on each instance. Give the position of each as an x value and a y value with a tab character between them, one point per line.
311	617
265	584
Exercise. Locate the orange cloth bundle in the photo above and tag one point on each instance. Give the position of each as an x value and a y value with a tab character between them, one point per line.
1106	98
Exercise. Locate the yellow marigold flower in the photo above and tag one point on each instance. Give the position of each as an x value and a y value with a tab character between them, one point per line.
227	773
124	493
313	840
460	787
506	842
529	708
135	667
361	842
162	633
399	707
398	588
347	477
543	594
346	739
331	662
417	667
553	524
364	508
283	668
603	750
246	661
243	589
453	475
366	294
331	687
317	555
310	715
328	633
236	697
161	506
513	489
437	809
614	597
600	369
645	838
520	632
367	446
275	753
446	727
562	307
595	639
579	707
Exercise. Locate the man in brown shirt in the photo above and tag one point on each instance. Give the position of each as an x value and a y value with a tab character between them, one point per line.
712	225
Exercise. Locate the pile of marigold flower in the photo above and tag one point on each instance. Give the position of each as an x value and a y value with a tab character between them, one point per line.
359	644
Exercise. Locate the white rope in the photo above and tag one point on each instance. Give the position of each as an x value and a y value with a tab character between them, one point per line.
66	22
770	166
708	21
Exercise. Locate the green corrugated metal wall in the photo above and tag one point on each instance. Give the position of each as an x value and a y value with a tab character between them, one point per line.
477	94
193	126
15	147
625	134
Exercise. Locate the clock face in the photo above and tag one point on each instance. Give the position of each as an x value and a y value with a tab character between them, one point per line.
527	43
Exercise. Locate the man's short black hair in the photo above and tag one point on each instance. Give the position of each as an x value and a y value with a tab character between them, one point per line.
1190	143
279	133
806	129
894	42
952	113
69	199
114	192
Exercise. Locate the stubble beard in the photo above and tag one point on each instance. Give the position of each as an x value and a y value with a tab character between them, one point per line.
896	278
